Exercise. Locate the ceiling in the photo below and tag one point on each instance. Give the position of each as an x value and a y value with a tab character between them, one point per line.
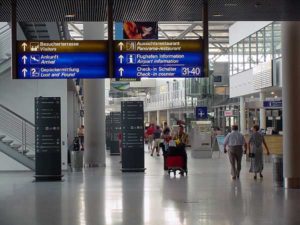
152	10
218	34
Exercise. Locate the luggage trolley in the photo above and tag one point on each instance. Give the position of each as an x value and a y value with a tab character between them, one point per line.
175	163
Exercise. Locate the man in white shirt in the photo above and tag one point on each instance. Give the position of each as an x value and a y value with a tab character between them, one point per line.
235	140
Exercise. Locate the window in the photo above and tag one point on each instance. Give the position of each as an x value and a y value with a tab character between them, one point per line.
247	58
253	50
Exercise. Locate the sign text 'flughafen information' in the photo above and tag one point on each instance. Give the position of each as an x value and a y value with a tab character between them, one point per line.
62	59
158	58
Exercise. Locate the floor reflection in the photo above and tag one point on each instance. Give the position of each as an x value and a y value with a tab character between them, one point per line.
174	199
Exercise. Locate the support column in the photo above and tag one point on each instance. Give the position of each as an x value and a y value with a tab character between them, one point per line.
262	112
149	117
94	106
291	103
168	117
242	115
157	118
180	115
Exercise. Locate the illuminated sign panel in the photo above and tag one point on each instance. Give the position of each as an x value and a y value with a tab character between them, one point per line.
159	58
62	59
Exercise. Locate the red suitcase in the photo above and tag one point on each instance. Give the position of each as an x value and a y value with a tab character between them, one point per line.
175	163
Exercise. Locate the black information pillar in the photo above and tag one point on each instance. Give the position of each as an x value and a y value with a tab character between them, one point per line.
115	118
47	139
108	127
132	125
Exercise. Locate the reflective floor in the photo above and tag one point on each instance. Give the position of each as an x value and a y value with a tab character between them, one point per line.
108	196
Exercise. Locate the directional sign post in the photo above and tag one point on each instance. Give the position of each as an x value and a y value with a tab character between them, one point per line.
158	59
62	59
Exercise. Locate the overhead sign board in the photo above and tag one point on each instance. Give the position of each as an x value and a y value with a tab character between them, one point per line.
158	59
62	59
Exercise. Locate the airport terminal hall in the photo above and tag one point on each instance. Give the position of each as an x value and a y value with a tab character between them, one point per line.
149	112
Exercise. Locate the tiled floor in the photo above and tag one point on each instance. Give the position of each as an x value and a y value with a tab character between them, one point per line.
107	196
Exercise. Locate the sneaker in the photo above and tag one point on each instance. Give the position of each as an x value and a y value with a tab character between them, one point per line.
151	154
261	176
233	177
255	177
157	154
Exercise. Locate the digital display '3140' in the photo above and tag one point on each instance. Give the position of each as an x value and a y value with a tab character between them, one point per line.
191	71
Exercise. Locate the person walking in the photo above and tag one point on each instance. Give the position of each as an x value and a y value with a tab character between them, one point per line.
235	141
255	147
80	133
166	136
157	140
149	133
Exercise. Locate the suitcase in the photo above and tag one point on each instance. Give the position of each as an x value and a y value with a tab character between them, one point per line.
175	163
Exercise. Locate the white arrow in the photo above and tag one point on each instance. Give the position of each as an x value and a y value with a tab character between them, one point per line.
24	58
121	46
24	71
121	70
24	45
121	59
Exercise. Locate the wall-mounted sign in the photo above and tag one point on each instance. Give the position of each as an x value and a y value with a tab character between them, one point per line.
62	59
217	79
201	113
228	113
158	59
272	104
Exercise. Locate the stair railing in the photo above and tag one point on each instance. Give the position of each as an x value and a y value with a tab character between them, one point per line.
18	129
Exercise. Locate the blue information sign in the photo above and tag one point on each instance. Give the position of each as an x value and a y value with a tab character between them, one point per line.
273	104
137	59
62	59
201	113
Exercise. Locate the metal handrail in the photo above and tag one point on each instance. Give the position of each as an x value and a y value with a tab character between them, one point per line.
18	129
15	114
5	36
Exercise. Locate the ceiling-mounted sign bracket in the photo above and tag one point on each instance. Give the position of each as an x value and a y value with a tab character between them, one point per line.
14	38
205	37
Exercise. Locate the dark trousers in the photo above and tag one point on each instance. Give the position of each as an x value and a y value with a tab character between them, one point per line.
235	154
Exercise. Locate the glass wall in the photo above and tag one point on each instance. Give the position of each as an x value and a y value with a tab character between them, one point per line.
262	46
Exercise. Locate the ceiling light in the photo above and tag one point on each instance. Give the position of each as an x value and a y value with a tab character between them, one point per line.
230	4
275	96
70	16
217	15
257	4
272	93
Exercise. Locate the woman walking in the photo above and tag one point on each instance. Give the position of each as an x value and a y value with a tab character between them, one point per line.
256	152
